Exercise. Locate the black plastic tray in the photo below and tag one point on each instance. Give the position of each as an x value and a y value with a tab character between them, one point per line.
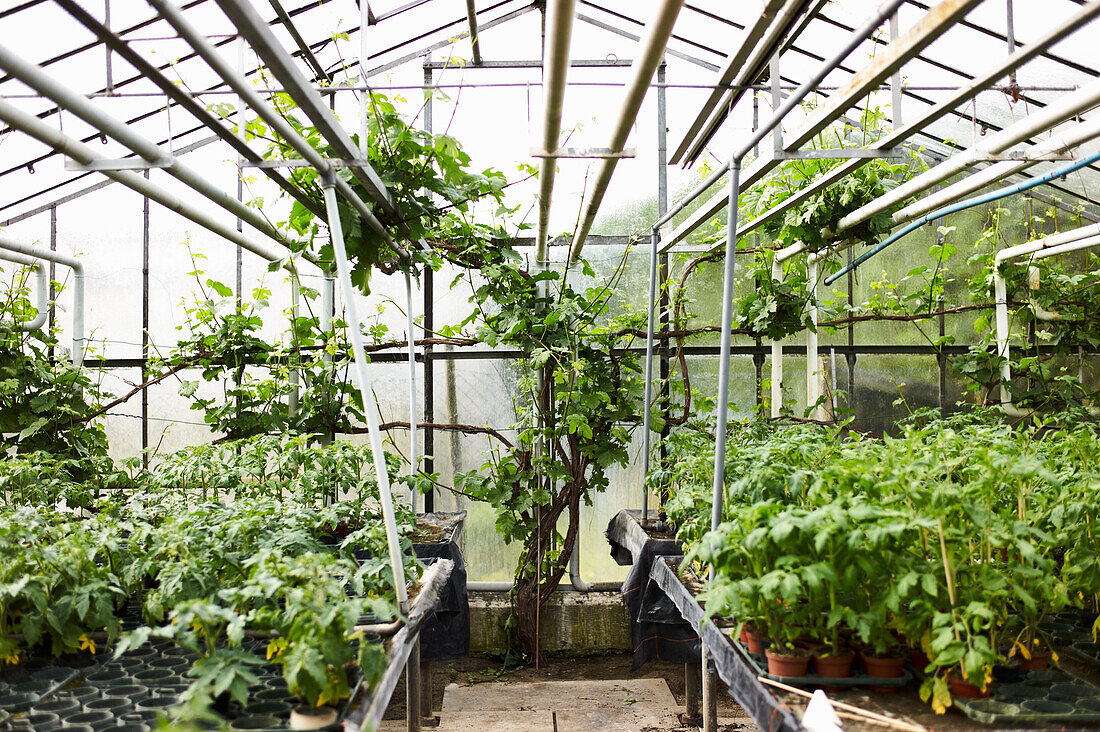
1007	705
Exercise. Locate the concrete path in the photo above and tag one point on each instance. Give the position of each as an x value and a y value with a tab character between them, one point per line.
630	705
559	706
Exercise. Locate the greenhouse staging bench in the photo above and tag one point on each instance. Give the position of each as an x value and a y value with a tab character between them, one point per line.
1045	699
656	628
132	691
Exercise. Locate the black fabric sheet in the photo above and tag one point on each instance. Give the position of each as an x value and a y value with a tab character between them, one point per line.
446	636
657	630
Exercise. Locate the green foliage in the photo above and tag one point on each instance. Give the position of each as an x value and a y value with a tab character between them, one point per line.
960	536
44	405
224	342
418	168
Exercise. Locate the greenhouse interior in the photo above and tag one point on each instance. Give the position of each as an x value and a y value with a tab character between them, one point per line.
549	365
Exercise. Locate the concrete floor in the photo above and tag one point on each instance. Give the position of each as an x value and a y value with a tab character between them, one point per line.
627	705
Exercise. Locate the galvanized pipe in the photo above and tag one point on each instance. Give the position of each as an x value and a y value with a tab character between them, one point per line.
370	406
240	85
65	98
1072	138
12	245
39	130
278	61
718	484
1065	108
643	68
42	311
651	326
414	463
1087	13
475	41
559	32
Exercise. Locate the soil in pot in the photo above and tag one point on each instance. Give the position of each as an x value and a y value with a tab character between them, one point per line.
883	667
782	664
306	717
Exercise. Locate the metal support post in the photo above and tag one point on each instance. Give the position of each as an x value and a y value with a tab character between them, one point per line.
414	462
710	693
426	689
895	78
53	278
692	709
145	328
777	99
412	688
370	405
429	323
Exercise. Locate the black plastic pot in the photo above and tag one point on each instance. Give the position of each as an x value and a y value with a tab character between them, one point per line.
43	721
61	706
141	716
131	727
95	720
112	704
84	694
1044	706
133	692
154	676
79	728
17	701
110	677
268	708
173	663
257	722
156	703
282	695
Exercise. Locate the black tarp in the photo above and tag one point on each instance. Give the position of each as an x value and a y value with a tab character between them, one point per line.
446	635
657	629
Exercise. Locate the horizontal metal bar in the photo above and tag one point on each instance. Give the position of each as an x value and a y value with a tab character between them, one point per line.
1024	156
299	163
583	152
841	154
118	164
533	64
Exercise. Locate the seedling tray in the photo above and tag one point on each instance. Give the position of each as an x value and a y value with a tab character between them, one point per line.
1049	697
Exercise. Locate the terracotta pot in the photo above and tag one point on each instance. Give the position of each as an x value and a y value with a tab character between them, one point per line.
834	667
1037	662
919	659
780	664
883	667
965	689
752	640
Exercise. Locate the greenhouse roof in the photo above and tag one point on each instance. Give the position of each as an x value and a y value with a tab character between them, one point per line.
126	58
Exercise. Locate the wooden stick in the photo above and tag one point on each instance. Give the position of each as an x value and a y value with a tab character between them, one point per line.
849	707
872	720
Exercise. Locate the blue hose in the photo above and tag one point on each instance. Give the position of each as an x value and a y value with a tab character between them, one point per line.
962	205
